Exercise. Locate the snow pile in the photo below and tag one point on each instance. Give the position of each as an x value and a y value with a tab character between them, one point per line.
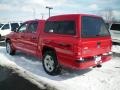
41	83
105	78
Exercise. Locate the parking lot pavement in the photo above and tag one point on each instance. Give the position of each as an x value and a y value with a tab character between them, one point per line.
9	80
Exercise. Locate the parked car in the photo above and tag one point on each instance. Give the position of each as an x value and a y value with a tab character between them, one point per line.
7	28
76	41
115	32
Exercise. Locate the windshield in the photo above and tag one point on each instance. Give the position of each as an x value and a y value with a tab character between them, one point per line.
93	27
1	25
115	27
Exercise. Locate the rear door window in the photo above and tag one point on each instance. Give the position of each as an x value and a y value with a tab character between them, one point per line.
115	27
33	27
93	27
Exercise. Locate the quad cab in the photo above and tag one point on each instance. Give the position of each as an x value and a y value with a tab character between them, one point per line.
76	41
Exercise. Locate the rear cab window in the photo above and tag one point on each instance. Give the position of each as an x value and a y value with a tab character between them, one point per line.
93	27
115	27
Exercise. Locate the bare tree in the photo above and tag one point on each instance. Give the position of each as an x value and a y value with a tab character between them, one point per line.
108	15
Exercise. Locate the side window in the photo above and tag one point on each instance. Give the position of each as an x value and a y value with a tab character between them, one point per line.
6	26
51	26
115	27
14	26
61	27
33	27
22	28
67	27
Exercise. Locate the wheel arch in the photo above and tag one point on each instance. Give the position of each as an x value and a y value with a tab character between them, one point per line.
47	48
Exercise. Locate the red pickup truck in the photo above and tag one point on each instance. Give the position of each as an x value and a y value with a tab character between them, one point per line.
77	41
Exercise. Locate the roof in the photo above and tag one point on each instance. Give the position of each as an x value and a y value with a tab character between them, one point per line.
35	20
72	15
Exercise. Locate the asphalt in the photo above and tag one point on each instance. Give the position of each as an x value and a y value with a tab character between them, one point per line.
9	80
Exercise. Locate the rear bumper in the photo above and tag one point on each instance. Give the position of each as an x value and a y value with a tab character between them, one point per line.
91	63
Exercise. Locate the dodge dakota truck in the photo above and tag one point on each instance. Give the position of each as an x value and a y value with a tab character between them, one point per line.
77	41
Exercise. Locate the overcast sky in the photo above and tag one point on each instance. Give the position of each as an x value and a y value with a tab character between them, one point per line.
12	10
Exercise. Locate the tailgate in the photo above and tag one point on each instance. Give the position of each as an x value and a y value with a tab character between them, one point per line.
95	46
95	36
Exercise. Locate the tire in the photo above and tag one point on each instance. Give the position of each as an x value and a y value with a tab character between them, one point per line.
50	63
9	48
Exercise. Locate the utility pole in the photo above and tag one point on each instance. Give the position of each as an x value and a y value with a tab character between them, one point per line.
34	13
49	8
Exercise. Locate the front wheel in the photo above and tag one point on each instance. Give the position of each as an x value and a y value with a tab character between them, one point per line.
50	63
9	48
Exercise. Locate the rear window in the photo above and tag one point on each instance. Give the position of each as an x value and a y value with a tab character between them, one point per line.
115	27
60	27
93	27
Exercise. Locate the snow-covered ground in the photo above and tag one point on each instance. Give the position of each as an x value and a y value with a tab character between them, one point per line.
105	78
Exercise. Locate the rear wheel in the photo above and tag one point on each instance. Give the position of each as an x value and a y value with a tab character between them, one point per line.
50	63
9	48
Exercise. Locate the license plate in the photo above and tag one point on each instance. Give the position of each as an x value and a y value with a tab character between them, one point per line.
97	59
